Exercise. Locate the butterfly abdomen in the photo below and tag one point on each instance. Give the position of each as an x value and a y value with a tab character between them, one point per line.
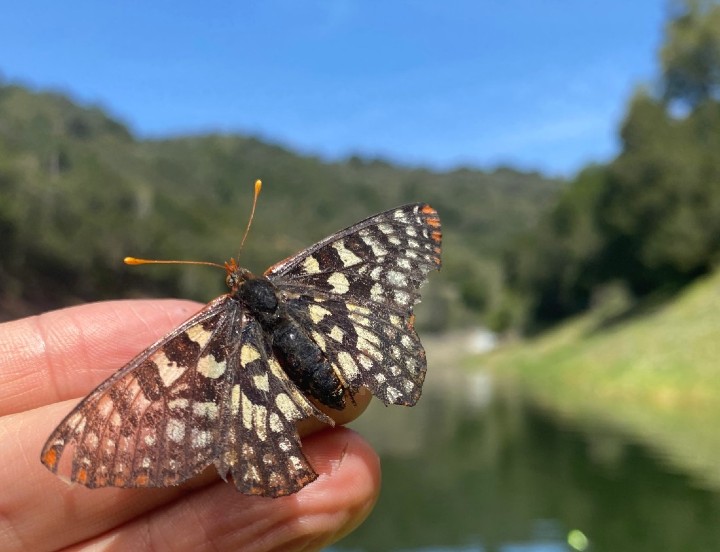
301	358
306	365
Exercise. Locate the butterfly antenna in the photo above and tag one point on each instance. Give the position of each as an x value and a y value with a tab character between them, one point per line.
258	187
227	267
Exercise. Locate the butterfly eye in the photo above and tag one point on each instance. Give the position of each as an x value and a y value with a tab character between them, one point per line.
232	281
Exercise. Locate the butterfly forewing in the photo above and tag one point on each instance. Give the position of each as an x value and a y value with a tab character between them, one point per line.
119	432
214	391
380	261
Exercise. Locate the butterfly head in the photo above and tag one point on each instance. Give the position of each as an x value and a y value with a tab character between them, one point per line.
236	275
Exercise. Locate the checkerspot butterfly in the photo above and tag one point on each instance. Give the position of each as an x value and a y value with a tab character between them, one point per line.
228	386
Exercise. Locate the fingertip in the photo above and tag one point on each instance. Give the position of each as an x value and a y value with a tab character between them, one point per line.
347	487
353	409
341	456
218	516
71	350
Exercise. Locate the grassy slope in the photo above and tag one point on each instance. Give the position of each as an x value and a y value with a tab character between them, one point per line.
656	376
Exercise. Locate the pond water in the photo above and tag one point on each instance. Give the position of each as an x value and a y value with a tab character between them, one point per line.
475	467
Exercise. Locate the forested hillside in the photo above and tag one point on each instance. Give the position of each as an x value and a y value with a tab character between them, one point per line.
78	192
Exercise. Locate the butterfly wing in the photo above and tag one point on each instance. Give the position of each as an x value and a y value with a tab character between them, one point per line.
208	392
354	293
263	454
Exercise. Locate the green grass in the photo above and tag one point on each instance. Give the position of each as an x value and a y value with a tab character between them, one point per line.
655	375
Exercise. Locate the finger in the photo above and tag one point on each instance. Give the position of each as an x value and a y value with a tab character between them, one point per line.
65	353
217	518
37	503
41	511
29	489
38	508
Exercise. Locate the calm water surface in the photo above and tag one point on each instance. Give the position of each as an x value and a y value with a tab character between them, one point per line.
477	468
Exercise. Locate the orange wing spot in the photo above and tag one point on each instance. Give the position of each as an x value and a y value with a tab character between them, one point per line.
411	321
142	480
50	459
119	481
431	216
436	235
82	476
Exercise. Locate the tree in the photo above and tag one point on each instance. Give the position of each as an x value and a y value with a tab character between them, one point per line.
650	220
691	55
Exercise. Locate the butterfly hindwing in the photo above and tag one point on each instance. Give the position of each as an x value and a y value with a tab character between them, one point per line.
373	348
263	454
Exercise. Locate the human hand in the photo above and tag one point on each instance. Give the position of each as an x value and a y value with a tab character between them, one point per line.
48	362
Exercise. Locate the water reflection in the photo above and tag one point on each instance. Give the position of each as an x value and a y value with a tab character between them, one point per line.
478	467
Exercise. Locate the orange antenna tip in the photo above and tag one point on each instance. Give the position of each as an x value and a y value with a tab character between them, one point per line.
258	187
135	261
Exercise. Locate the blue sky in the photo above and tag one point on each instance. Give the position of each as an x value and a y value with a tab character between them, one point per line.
540	85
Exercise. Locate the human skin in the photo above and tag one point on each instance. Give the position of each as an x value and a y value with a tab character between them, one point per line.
49	362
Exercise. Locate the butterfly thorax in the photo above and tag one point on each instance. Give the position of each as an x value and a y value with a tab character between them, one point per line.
302	359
